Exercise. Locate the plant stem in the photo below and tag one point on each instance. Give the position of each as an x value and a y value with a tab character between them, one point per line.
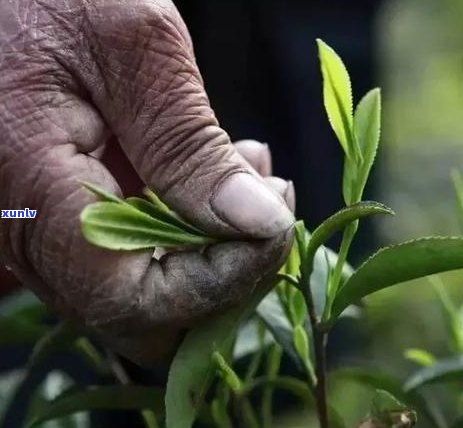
347	238
335	281
320	339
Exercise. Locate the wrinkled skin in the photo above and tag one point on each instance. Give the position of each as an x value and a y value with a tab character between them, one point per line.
74	74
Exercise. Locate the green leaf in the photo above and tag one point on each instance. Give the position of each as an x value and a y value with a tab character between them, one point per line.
458	185
23	305
349	181
420	357
445	370
384	401
219	413
378	379
127	397
397	264
149	419
337	96
302	345
299	309
252	337
135	223
192	368
334	418
367	128
163	214
340	220
292	265
273	315
14	331
324	262
301	243
388	412
101	193
154	199
121	227
226	372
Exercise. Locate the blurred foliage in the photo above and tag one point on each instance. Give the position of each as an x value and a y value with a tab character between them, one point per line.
420	58
420	54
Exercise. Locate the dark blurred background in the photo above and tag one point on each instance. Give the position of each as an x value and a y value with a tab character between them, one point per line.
260	66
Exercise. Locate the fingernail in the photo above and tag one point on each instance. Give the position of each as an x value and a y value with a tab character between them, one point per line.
248	205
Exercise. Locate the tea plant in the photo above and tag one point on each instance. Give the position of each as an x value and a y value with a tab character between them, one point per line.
292	313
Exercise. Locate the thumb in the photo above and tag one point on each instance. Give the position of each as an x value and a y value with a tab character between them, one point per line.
157	107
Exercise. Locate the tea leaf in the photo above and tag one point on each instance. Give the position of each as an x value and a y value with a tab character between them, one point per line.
387	412
23	305
292	265
420	357
101	193
272	314
135	223
251	339
340	220
15	331
154	199
301	342
226	372
127	397
22	319
367	127
445	370
384	402
192	369
163	214
398	264
299	309
119	226
219	413
337	95
324	261
349	180
377	379
302	345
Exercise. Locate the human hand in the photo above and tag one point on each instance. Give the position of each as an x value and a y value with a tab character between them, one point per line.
74	73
